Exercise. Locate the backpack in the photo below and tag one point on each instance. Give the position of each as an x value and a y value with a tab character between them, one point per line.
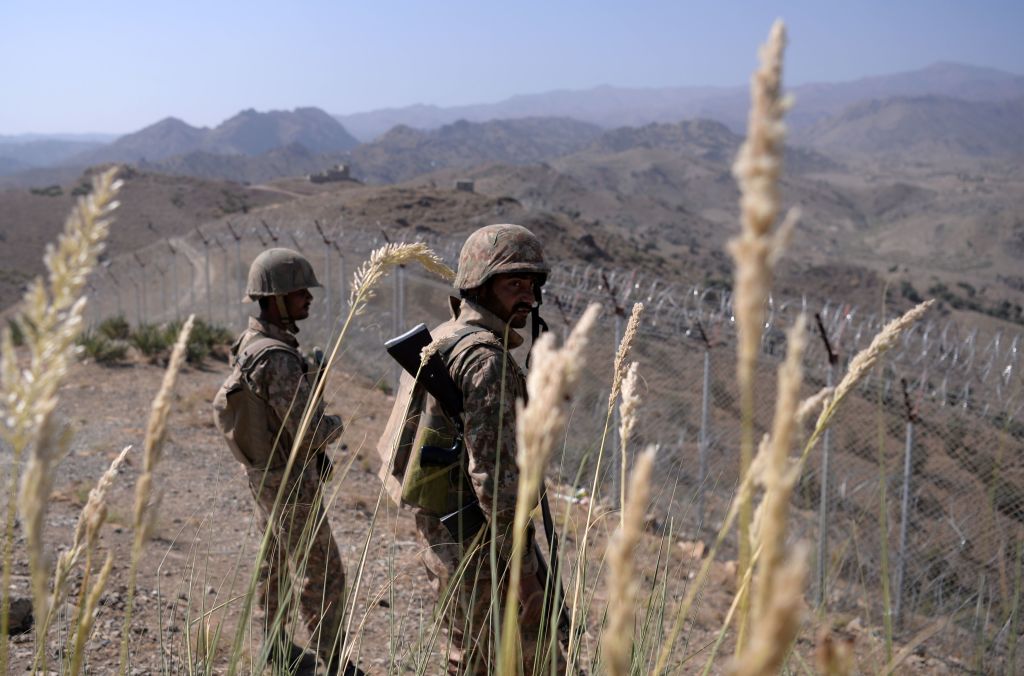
250	427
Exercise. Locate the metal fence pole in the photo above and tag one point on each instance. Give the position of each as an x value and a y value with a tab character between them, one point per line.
177	288
908	451
329	281
702	446
138	302
142	267
821	593
240	276
163	288
399	314
206	263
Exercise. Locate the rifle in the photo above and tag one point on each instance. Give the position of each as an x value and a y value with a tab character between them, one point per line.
324	465
433	375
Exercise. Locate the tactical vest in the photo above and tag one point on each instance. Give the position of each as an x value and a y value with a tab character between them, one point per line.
433	488
250	427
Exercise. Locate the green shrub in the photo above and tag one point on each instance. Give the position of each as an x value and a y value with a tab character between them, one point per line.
48	191
100	348
151	339
115	328
203	339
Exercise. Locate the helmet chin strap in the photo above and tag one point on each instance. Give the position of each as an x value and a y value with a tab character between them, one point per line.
285	318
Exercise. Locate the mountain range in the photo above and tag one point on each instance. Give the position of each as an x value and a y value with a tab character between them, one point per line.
610	107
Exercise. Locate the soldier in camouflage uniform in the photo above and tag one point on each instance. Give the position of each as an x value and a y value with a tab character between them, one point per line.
259	408
499	268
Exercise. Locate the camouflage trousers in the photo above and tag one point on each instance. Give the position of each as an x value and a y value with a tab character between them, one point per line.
464	590
302	556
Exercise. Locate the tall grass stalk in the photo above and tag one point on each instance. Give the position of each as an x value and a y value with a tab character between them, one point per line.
50	320
87	530
756	250
540	425
778	584
627	423
144	513
618	375
617	642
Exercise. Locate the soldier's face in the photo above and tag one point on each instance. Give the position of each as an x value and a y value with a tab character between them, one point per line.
297	304
510	297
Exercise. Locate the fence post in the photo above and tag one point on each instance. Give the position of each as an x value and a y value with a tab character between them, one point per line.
904	502
398	314
206	262
823	498
142	266
239	273
705	430
329	313
138	301
177	288
224	278
163	288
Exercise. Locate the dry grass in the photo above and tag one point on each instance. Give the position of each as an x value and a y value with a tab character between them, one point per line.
757	249
617	639
50	320
540	426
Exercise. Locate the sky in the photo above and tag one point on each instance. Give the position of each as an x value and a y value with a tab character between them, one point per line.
115	67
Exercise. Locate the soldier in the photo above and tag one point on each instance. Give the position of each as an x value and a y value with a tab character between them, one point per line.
259	409
501	269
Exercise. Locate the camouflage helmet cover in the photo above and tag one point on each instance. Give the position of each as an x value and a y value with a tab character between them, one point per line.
277	272
497	249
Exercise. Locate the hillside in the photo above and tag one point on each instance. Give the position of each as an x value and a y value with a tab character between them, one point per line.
153	207
923	129
403	152
294	159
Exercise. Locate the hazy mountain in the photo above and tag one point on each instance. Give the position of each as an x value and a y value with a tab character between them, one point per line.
248	133
612	107
170	136
254	133
929	128
78	138
39	153
405	152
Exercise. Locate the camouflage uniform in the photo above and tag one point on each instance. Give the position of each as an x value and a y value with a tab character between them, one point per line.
478	365
281	380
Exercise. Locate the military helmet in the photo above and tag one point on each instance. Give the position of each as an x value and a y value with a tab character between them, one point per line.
497	249
279	271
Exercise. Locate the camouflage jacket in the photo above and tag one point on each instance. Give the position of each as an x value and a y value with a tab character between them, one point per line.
489	418
284	383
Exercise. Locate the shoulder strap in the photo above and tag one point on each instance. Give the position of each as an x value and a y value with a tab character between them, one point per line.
457	343
257	348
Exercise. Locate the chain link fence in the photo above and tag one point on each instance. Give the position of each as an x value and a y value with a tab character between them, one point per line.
920	481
